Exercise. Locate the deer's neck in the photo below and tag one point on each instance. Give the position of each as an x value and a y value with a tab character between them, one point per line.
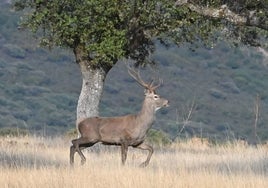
146	115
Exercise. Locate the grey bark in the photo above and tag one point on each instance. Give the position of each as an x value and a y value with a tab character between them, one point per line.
91	91
92	85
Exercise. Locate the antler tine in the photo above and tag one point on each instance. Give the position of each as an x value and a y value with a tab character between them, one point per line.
151	83
137	77
159	84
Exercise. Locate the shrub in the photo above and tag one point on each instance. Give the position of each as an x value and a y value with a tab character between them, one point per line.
158	138
7	131
14	51
71	133
217	93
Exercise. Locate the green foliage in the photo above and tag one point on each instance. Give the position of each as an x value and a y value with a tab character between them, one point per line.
107	30
217	93
13	132
158	138
71	133
14	51
94	25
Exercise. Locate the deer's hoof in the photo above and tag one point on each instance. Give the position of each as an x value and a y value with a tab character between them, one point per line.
144	164
83	162
71	163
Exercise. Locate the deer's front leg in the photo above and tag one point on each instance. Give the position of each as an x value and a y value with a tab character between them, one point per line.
72	152
144	146
124	149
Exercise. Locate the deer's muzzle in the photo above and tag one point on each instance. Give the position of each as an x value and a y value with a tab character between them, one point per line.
166	104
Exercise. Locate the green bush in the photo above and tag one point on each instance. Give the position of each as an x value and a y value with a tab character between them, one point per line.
6	131
14	51
71	133
233	64
158	138
217	93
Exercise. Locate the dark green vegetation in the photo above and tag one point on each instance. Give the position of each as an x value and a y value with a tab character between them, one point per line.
26	71
39	88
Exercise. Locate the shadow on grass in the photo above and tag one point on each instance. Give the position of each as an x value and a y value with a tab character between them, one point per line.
9	160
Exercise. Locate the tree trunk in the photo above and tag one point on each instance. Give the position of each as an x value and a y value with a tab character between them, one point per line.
92	85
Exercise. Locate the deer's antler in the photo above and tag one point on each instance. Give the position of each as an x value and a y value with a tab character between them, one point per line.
156	86
136	75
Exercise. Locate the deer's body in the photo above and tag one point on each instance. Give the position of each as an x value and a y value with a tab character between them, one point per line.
113	130
129	130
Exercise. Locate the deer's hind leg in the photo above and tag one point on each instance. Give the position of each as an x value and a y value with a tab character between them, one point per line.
144	146
78	145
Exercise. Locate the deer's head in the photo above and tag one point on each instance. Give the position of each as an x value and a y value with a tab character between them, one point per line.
154	100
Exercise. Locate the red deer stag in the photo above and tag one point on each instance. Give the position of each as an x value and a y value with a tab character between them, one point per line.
125	131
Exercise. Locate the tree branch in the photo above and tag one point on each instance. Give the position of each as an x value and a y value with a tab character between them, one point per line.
225	13
185	120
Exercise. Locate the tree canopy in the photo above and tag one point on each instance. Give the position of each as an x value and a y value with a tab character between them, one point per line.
108	30
72	23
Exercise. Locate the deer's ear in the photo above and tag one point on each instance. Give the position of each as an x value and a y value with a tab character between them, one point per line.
146	92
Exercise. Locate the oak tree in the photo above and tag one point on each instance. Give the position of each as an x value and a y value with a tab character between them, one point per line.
101	32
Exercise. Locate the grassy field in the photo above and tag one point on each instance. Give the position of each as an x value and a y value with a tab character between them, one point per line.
41	162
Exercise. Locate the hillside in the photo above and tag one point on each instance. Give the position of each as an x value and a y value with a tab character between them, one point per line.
39	88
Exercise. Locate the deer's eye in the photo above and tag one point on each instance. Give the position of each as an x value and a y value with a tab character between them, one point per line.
156	96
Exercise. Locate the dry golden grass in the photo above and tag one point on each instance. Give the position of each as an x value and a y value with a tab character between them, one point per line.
37	162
